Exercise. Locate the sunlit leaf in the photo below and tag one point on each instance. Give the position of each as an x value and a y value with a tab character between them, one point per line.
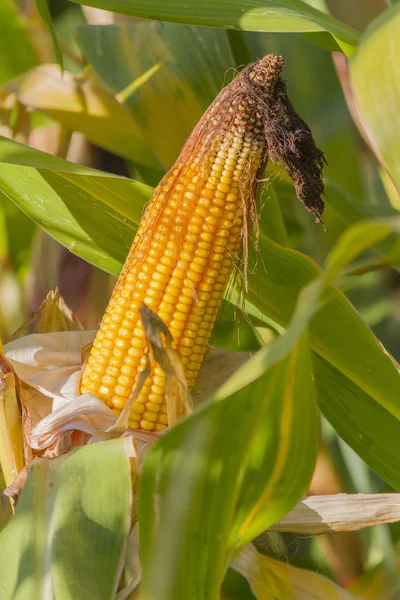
242	469
270	579
350	211
44	11
68	510
16	238
375	82
16	49
92	213
357	239
335	331
289	383
272	15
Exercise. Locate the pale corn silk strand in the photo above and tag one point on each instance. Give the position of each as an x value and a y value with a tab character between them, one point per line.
184	251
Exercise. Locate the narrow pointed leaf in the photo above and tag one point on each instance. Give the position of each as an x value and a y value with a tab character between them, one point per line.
335	331
280	453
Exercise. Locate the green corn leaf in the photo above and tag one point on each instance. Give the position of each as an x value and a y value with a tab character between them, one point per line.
44	12
226	473
16	48
272	15
375	82
92	213
69	509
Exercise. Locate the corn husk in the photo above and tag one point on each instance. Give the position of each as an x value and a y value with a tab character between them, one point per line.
48	364
52	315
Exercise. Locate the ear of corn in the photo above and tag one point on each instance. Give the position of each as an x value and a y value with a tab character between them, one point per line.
185	249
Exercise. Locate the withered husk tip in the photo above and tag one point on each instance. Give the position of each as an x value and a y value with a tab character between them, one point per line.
289	140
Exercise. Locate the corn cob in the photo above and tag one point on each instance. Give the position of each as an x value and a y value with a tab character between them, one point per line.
185	249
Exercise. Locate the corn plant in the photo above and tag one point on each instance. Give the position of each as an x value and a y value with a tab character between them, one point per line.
232	423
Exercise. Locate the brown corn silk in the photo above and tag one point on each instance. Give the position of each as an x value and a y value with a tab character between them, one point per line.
190	236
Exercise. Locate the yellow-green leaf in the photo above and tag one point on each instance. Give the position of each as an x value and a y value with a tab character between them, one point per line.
83	104
375	81
271	579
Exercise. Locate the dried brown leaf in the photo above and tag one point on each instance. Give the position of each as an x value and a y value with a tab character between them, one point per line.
52	315
340	512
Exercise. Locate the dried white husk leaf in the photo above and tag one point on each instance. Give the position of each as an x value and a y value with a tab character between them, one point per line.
49	367
340	512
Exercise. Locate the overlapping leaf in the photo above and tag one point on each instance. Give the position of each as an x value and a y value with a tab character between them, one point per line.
336	331
247	472
244	457
44	12
246	512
